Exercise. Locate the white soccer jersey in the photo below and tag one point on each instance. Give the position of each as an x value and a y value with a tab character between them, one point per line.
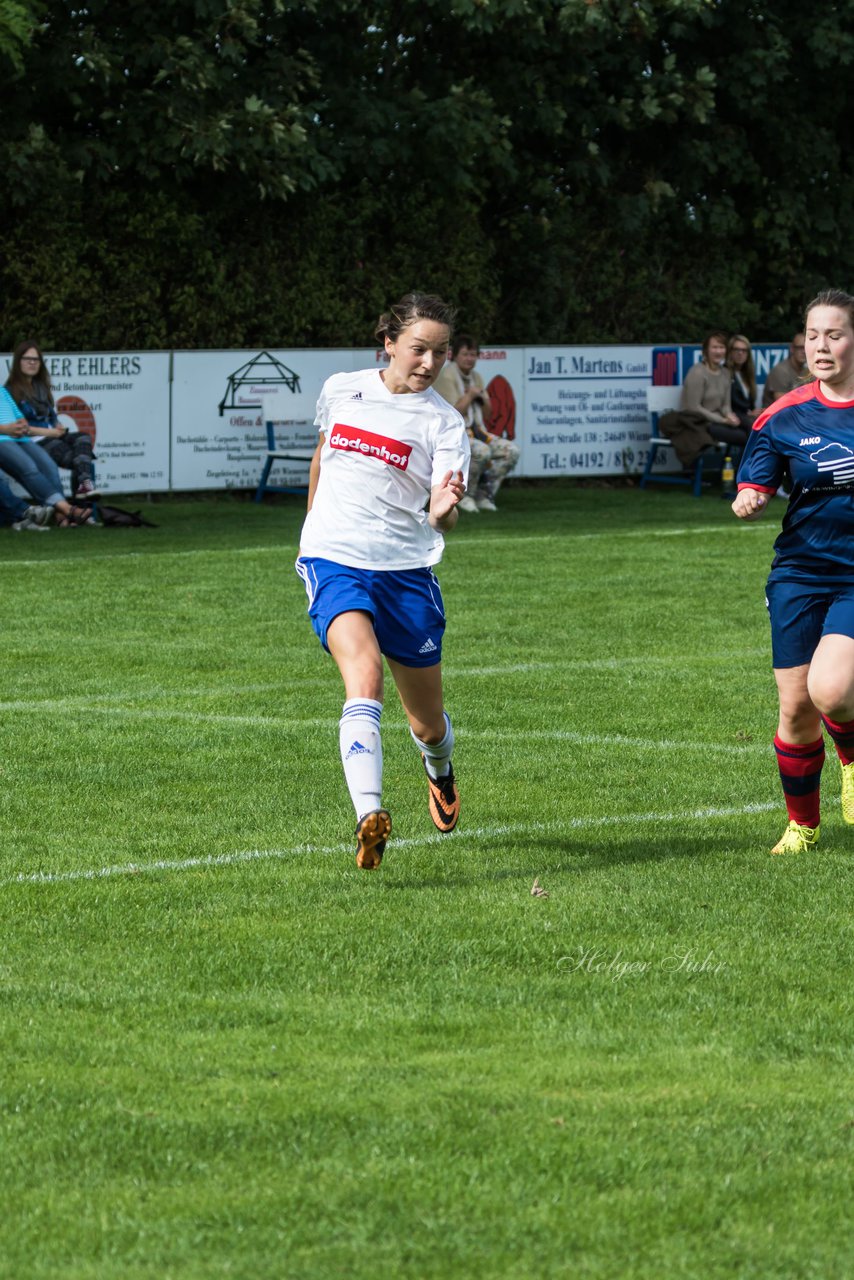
381	455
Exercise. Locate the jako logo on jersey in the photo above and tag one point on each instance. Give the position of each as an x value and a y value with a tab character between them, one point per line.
350	439
809	440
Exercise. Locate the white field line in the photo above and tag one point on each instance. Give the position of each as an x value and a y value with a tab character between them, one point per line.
88	702
476	833
737	528
640	662
294	725
114	700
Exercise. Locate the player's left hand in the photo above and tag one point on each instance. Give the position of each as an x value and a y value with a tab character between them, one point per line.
445	495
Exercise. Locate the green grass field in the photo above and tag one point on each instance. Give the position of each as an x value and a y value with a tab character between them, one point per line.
228	1053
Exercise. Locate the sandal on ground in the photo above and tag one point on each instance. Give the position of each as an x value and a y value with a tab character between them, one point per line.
76	517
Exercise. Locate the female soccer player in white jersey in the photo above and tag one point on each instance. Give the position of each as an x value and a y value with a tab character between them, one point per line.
811	584
385	481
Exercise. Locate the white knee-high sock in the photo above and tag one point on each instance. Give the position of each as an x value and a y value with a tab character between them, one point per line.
362	753
437	755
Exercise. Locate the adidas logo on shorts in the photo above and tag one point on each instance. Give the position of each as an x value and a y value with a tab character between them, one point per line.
428	646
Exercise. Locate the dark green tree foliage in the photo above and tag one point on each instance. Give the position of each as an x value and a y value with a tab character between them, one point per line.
16	21
198	174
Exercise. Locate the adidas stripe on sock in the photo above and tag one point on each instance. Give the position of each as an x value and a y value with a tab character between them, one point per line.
362	753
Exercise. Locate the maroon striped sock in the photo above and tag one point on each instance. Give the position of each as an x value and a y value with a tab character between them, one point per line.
800	773
843	738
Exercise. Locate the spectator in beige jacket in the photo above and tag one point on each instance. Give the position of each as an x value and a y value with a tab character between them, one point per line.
492	457
707	391
705	415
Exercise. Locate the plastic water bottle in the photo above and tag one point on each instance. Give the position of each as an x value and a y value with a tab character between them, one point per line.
728	478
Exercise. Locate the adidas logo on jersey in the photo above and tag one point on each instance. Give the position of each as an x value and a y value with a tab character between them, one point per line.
358	749
428	646
357	395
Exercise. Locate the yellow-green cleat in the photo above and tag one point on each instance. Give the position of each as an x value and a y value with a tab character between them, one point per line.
847	792
797	839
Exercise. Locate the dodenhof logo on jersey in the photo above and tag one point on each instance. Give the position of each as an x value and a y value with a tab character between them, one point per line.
352	440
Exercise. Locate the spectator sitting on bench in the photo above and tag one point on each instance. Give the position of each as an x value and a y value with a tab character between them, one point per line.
29	385
492	457
705	414
21	458
739	361
788	374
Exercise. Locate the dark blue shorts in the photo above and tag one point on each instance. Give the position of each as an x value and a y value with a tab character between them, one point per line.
801	613
405	606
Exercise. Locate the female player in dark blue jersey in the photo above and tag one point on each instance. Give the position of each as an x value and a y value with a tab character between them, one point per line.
811	585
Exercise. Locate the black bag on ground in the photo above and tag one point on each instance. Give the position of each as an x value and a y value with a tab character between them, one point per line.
116	518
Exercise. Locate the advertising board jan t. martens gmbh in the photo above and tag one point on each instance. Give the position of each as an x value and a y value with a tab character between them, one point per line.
585	410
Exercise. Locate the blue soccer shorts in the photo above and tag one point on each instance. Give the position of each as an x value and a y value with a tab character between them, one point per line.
405	606
801	613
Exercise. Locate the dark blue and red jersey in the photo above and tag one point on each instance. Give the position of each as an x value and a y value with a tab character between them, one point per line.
812	438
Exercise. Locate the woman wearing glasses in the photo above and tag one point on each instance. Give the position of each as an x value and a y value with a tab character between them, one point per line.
739	361
29	385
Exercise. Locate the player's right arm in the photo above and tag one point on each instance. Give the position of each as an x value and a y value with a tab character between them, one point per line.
321	421
761	471
314	472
